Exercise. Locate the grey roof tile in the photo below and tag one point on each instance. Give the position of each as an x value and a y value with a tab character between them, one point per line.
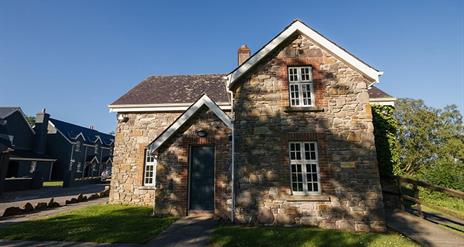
176	89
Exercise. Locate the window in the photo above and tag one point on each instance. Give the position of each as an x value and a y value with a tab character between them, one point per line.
78	146
304	168
150	169
300	86
79	167
96	148
33	166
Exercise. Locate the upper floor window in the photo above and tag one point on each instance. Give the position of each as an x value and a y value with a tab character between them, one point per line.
78	146
149	177
96	148
300	80
304	168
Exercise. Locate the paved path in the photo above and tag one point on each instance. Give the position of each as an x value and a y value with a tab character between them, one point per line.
424	232
60	195
192	231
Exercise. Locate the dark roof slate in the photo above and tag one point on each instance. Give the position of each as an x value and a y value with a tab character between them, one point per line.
176	89
71	131
5	111
375	92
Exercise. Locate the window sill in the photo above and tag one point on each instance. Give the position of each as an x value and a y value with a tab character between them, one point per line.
147	188
303	109
308	198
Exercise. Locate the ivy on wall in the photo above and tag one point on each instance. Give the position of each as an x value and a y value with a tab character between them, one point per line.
386	144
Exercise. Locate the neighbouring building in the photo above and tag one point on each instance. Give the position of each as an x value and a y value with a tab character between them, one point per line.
285	138
50	150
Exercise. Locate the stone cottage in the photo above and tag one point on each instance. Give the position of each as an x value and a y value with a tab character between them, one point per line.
285	138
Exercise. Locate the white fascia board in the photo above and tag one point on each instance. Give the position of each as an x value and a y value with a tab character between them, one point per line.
80	134
98	138
94	158
383	101
204	100
318	38
32	159
148	108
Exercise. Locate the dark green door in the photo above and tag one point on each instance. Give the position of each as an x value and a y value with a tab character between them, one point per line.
202	178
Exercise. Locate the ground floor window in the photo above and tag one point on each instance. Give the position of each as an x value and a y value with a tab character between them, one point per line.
304	168
150	169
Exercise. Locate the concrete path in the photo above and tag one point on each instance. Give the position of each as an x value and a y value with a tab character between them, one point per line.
50	212
424	232
191	231
60	195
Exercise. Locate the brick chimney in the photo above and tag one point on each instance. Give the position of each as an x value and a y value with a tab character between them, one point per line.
243	54
41	129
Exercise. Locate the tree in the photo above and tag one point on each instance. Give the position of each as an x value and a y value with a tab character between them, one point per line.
30	120
431	142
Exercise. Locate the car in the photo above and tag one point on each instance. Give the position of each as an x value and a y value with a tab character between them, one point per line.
106	174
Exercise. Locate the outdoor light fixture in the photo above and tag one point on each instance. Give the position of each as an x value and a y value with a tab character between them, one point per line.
123	119
202	133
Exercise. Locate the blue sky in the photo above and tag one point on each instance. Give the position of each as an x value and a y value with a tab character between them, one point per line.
76	57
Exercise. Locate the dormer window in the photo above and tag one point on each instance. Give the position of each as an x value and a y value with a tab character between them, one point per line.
78	146
300	80
96	148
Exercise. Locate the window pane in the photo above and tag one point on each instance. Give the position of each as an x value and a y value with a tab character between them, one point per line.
306	74
306	94
292	74
310	186
294	94
315	187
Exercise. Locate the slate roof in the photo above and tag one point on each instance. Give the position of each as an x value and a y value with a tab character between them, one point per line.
71	131
176	89
375	92
5	111
187	89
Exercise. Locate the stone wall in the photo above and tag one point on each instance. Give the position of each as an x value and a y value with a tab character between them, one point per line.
173	165
341	123
131	139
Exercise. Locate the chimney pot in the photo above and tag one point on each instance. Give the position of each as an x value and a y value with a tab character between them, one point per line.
243	54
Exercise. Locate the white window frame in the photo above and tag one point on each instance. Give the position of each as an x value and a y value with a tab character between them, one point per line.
150	166
79	167
303	162
296	80
78	146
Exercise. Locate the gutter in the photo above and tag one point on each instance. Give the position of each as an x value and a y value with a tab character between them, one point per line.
232	216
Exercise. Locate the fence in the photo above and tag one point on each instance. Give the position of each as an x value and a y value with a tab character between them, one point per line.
400	181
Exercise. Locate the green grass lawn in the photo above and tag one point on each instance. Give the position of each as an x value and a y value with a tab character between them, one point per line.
229	236
99	223
444	203
53	184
